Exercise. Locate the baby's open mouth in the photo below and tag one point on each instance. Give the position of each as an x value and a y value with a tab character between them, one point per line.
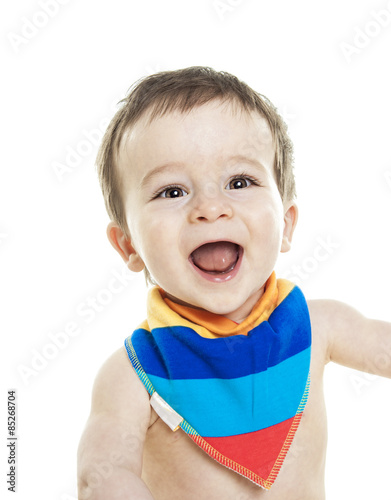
219	257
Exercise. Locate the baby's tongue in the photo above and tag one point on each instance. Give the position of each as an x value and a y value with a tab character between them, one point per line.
216	257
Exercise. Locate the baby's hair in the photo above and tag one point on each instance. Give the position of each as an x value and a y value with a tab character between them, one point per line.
182	90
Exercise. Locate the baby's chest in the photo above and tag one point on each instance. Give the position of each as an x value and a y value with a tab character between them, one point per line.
175	467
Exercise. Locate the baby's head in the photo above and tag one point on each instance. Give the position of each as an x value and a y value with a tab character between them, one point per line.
183	90
198	157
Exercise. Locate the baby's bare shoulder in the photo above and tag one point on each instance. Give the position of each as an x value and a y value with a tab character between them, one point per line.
117	388
325	315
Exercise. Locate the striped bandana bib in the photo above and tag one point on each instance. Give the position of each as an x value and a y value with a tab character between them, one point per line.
237	390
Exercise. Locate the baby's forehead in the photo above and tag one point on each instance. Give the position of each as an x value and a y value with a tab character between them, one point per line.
256	124
209	137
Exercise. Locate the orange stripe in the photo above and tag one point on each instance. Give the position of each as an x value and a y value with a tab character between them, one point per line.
219	325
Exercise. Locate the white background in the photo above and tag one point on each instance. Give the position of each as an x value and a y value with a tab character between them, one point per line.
63	81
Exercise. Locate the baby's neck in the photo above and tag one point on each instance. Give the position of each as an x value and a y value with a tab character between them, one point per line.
241	321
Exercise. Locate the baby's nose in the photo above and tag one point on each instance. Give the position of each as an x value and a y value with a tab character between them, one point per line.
210	205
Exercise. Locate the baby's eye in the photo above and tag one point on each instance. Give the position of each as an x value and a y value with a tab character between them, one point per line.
239	183
172	192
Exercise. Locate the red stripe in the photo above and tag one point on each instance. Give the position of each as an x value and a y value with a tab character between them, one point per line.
257	451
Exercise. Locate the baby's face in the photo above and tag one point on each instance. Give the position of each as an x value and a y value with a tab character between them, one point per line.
202	205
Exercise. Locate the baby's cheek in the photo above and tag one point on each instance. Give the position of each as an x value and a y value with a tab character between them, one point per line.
268	221
160	250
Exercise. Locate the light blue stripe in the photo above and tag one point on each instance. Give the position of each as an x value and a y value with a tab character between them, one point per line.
226	407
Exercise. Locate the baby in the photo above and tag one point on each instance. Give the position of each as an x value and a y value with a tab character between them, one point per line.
219	393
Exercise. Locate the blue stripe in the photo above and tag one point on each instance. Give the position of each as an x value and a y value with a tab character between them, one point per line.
179	352
221	407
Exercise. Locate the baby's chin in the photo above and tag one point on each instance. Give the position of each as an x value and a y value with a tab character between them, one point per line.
182	302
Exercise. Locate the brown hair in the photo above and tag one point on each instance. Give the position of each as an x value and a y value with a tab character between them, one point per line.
183	90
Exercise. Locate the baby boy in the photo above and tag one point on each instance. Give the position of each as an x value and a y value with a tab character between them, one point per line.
219	393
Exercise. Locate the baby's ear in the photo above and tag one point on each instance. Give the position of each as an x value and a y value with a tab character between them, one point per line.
123	245
290	221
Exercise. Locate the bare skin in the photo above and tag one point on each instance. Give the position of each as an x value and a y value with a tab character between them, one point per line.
127	452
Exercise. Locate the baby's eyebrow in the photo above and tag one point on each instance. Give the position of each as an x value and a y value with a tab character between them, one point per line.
246	159
148	177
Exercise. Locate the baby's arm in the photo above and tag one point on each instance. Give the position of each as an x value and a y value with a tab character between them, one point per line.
111	448
352	339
